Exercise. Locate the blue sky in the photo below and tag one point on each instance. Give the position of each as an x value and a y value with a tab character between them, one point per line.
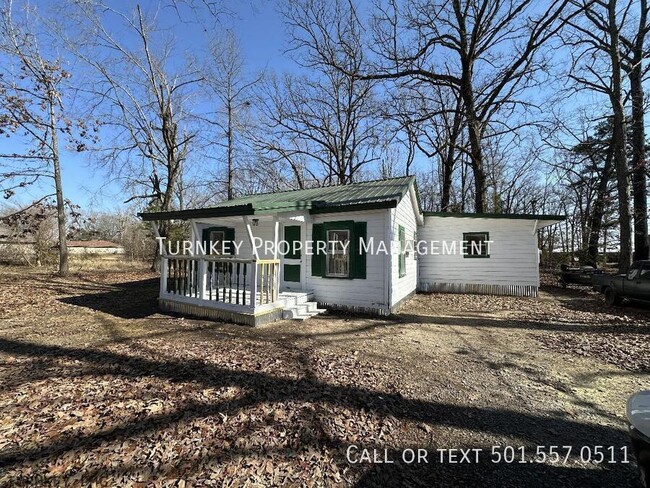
260	30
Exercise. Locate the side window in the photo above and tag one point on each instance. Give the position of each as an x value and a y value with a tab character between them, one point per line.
337	257
217	238
633	272
645	272
415	244
475	244
402	251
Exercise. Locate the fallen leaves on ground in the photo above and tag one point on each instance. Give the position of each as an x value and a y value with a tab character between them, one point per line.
97	387
574	321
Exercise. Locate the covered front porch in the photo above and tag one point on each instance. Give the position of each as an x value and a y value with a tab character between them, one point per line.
251	283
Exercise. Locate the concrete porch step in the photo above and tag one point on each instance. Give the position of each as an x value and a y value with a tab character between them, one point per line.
291	298
301	311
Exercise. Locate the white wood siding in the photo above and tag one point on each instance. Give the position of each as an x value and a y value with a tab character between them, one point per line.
513	257
369	294
403	215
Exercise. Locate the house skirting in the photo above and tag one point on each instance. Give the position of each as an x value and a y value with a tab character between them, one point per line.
254	320
480	289
378	310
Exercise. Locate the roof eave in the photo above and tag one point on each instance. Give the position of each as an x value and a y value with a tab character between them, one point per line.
355	207
228	211
555	218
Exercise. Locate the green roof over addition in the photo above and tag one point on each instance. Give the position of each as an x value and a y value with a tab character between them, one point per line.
342	198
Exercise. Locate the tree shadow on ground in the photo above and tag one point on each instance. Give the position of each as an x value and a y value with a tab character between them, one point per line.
583	298
129	300
260	387
515	323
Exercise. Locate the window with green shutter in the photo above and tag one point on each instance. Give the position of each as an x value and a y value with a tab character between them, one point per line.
224	237
402	251
346	258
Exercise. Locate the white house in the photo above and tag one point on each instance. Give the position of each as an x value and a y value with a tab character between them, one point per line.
362	247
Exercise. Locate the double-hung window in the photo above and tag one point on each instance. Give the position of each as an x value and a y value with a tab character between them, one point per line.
337	258
402	251
476	244
217	238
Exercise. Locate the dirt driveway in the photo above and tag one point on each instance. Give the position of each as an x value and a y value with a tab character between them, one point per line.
97	386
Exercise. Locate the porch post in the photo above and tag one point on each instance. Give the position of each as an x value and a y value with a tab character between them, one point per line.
253	284
163	259
276	236
275	267
253	271
200	264
251	238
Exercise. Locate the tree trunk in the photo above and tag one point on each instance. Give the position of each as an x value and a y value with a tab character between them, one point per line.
60	202
639	178
619	145
446	184
475	130
598	213
230	151
450	158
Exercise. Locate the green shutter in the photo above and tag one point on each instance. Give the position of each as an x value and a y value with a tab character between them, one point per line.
292	273
291	235
230	240
358	261
206	240
317	260
402	258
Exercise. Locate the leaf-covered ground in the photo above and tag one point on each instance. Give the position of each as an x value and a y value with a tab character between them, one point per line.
97	387
575	321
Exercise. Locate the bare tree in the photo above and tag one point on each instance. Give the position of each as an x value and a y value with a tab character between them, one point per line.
332	116
32	85
231	90
327	128
432	116
635	49
142	98
488	51
512	176
597	67
585	169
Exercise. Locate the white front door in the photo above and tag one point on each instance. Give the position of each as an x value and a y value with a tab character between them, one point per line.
293	263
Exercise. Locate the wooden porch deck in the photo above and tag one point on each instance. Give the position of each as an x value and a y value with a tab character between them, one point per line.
247	315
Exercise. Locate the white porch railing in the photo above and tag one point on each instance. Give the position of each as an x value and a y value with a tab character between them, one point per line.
217	280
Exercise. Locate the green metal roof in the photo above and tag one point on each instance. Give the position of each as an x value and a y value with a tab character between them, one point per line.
328	199
357	196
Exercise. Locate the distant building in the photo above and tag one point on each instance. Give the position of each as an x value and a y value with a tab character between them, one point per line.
94	247
15	249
